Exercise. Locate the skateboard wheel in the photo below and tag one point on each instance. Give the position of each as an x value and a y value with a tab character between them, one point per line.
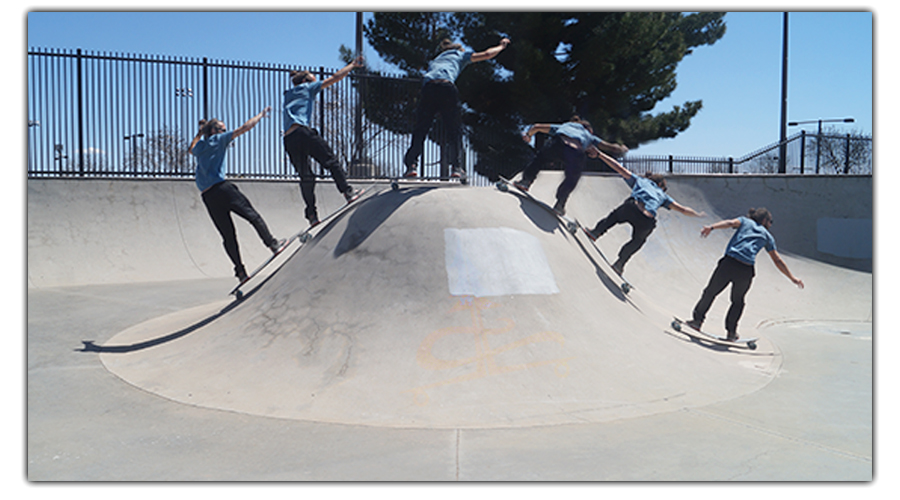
395	185
676	325
627	288
502	186
238	295
751	345
304	238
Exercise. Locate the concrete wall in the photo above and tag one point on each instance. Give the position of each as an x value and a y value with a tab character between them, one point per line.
114	231
829	219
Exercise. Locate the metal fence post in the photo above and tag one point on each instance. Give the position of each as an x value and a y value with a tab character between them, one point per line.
205	89
802	150
847	156
80	114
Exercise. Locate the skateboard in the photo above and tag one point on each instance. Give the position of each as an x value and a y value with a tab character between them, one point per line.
682	326
626	285
396	181
303	236
570	224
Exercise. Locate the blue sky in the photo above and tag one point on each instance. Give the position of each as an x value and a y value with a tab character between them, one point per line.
738	79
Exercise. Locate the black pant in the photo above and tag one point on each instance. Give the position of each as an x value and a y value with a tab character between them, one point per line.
740	276
300	145
443	98
221	200
556	151
641	227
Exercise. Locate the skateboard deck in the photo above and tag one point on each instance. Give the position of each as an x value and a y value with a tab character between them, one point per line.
570	224
626	285
681	326
303	236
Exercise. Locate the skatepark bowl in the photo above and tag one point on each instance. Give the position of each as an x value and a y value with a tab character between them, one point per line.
439	332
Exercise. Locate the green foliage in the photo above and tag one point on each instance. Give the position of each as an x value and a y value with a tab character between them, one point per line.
611	68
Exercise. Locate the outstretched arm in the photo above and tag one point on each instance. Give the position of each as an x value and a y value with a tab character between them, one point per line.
343	72
613	164
250	123
722	224
491	52
543	128
779	263
686	210
611	148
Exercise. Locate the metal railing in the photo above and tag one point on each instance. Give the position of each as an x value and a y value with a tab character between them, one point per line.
805	154
114	115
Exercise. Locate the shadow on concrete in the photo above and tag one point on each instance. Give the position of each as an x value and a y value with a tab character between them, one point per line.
379	208
90	346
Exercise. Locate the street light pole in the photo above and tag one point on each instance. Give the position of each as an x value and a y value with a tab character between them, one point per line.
820	121
782	150
132	138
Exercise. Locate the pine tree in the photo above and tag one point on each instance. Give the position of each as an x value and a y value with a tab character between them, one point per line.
611	68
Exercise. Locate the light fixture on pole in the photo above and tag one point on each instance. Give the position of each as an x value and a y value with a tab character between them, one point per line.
820	121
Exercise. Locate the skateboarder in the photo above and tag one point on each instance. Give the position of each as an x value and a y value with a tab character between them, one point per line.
439	95
301	141
220	196
648	194
569	143
737	266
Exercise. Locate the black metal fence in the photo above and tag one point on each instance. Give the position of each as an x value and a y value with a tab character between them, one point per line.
824	154
114	115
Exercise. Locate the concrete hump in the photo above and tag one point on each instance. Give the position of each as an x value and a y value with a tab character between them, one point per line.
467	308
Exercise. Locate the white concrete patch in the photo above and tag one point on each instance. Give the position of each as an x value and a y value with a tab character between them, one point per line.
486	262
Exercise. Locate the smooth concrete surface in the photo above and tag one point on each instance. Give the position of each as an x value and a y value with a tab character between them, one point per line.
359	358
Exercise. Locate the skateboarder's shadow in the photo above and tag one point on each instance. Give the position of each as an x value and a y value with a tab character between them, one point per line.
608	282
90	346
365	220
538	215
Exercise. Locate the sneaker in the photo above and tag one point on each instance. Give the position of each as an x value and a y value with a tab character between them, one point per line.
592	235
522	185
314	221
241	275
696	325
458	173
560	209
278	245
411	171
619	268
732	337
352	194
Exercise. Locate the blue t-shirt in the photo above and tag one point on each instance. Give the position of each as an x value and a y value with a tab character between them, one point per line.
748	240
298	103
576	131
649	193
448	65
210	153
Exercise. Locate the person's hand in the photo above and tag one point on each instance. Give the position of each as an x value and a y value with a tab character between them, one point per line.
620	149
705	231
504	42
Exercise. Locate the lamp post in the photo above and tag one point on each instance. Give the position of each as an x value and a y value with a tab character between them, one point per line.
820	121
132	138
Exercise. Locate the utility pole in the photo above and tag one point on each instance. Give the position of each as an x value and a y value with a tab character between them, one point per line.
782	149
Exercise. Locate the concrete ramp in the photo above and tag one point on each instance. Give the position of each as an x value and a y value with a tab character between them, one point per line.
449	307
